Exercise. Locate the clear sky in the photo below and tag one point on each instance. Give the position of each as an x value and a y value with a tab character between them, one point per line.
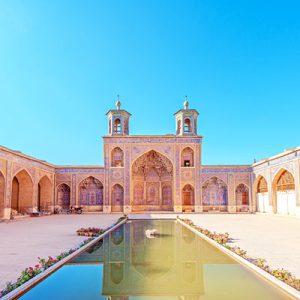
62	63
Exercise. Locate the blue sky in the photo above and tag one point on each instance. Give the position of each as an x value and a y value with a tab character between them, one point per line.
62	63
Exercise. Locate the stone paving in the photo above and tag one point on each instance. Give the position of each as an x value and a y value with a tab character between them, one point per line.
275	238
23	240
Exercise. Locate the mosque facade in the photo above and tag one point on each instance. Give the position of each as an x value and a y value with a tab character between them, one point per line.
150	173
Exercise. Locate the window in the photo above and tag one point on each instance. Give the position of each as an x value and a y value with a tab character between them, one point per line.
187	157
117	126
187	163
117	157
187	126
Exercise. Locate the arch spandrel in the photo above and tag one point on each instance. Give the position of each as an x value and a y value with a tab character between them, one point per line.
152	160
138	151
276	172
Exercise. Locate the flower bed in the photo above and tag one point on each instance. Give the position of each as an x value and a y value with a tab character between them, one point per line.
90	231
44	264
223	240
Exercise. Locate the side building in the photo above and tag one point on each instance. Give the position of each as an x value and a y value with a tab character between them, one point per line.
148	173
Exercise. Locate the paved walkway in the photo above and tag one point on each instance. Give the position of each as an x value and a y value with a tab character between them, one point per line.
277	239
23	240
274	238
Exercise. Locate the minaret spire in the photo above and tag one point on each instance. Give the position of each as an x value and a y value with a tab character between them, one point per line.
118	103
186	103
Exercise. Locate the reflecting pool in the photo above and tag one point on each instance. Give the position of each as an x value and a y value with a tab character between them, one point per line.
177	264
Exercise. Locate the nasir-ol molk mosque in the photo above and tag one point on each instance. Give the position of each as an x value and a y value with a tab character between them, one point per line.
147	173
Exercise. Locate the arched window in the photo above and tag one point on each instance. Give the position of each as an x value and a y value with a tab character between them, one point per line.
285	182
187	157
187	125
117	126
242	195
117	157
262	186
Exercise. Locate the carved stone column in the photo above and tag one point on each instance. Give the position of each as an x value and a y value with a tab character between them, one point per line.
106	200
176	170
297	185
8	190
271	191
231	193
35	190
197	178
127	206
74	201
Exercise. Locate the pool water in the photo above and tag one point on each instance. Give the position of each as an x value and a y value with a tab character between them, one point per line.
178	264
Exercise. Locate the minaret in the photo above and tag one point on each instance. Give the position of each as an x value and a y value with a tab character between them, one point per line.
186	120
118	120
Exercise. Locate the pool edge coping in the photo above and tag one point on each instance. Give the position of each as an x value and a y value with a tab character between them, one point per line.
21	290
278	283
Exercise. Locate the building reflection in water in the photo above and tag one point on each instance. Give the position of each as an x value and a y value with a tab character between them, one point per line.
170	265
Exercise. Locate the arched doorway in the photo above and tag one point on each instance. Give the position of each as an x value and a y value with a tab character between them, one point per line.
91	194
285	198
2	187
242	198
117	198
63	196
152	178
262	196
45	192
22	193
188	198
214	195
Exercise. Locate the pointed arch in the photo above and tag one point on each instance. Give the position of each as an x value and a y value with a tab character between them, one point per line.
188	198
187	127
63	196
152	178
2	190
117	198
284	194
262	195
45	194
262	185
242	198
214	194
22	192
117	157
117	126
187	157
91	194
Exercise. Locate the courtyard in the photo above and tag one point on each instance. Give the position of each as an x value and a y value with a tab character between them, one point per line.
23	240
271	237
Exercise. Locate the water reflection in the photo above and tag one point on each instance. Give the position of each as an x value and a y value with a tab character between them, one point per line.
175	265
168	265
